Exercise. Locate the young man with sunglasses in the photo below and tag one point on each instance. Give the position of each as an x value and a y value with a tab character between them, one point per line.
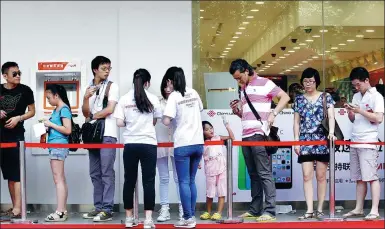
102	161
15	98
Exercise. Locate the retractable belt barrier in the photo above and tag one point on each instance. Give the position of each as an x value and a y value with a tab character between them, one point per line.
22	145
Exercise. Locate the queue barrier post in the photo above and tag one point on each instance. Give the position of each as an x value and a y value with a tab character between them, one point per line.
23	219
332	188
229	176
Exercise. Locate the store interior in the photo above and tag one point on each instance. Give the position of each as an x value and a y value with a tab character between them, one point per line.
282	38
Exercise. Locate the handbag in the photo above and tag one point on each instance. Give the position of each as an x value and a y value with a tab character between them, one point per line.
75	135
325	121
93	132
273	135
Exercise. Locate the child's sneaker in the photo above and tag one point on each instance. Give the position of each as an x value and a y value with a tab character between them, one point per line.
205	216
216	216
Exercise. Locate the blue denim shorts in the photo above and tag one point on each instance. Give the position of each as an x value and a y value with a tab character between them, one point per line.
58	154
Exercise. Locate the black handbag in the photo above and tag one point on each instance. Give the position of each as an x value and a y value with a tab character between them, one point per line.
325	122
94	132
273	135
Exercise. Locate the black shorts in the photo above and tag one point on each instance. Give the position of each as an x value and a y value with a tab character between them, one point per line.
10	164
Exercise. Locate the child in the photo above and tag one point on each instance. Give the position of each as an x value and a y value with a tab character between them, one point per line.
215	169
59	128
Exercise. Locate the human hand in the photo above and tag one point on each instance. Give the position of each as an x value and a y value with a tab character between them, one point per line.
270	119
3	114
296	150
225	121
199	166
352	108
12	122
331	136
47	123
90	91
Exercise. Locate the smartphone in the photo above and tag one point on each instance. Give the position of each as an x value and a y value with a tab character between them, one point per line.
283	168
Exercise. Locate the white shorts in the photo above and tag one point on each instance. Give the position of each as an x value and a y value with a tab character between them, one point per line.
364	164
216	185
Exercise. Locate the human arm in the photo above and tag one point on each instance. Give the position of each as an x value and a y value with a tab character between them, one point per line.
28	96
296	131
283	100
113	98
170	110
119	113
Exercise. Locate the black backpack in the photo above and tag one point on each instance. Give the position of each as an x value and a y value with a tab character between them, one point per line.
75	136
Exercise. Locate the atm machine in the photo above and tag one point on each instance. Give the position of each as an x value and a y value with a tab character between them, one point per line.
71	75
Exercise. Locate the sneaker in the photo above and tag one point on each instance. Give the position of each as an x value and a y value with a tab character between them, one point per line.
130	222
182	223
103	216
57	217
164	214
148	223
180	211
91	215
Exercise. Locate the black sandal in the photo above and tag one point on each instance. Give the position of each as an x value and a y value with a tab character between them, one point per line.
307	215
319	214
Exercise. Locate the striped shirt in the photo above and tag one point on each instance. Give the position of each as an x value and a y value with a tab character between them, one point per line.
261	92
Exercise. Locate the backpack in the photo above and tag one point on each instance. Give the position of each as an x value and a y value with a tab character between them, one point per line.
75	136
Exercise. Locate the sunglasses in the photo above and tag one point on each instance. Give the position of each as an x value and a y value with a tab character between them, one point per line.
14	74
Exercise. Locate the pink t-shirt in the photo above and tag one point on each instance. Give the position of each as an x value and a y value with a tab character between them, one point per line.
261	92
215	158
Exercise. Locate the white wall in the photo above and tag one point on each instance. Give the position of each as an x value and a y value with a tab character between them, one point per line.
151	35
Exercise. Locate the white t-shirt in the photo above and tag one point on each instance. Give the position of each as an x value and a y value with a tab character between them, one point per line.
187	114
96	105
139	126
164	134
363	129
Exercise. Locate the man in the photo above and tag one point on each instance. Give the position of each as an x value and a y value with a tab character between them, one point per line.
260	92
366	112
102	161
14	100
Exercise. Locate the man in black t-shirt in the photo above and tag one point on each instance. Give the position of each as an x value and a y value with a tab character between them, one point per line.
15	98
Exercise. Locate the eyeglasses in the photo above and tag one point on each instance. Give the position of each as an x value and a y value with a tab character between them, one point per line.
14	74
309	82
106	68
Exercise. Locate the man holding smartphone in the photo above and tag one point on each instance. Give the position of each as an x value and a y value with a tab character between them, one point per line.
260	91
366	112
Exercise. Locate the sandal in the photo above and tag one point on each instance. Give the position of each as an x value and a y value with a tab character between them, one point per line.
319	214
353	214
57	217
266	218
205	216
307	215
372	217
248	215
216	216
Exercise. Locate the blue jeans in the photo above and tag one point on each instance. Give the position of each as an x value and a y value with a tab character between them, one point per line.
187	159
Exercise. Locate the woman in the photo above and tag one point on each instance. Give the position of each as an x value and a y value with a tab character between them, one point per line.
308	116
137	112
164	134
59	128
184	105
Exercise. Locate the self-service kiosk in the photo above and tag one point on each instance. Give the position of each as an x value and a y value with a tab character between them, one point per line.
71	75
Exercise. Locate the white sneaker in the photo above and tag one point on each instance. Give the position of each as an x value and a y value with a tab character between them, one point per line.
182	223
148	223
164	214
131	222
180	211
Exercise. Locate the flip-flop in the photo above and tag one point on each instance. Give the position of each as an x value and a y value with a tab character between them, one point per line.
266	218
352	214
372	217
248	215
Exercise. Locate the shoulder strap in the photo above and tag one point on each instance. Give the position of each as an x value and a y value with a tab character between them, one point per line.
72	121
252	107
107	89
324	105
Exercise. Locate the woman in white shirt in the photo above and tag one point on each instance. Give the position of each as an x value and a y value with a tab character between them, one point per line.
184	105
137	112
164	134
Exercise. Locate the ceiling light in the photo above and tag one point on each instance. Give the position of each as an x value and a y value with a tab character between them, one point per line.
315	57
286	54
241	28
350	40
267	66
230	45
238	33
233	41
305	61
245	22
235	37
316	36
309	40
301	64
282	57
302	44
222	56
250	17
295	66
213	27
254	10
202	10
342	44
297	47
261	70
281	73
270	64
334	48
228	48
259	3
327	51
291	68
288	70
277	59
201	17
291	51
320	54
310	59
274	62
359	35
369	30
225	51
323	31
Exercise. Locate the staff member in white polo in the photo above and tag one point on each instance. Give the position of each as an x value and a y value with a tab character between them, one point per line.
366	112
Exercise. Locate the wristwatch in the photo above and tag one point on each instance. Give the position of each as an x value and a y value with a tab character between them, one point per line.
275	113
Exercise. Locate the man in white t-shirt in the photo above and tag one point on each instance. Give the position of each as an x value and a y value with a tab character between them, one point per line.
97	106
366	112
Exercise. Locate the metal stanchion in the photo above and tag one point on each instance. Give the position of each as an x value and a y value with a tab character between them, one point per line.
230	219
23	219
332	197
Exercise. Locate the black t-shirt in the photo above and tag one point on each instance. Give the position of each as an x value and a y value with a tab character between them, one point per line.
14	102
